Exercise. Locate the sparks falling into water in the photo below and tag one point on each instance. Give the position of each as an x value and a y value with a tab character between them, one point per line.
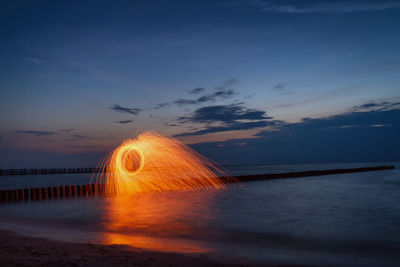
152	162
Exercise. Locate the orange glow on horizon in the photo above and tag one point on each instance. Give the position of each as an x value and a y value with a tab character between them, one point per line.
152	162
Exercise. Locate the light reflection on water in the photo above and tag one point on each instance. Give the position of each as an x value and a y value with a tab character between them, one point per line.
174	221
165	221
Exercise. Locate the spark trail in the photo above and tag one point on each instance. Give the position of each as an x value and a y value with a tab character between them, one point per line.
152	162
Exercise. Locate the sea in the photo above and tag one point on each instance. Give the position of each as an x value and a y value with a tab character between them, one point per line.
334	220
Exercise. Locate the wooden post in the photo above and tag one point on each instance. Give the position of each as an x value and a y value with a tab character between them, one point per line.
79	190
26	194
10	195
32	194
73	190
62	191
18	195
50	194
84	190
56	191
101	189
67	191
38	193
44	193
94	189
3	196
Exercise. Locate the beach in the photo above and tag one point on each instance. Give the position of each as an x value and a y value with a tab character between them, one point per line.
16	250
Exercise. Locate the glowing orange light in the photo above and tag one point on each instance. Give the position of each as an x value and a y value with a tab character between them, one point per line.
152	162
159	221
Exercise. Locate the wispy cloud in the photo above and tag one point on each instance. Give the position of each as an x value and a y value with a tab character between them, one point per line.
133	111
221	94
78	136
323	7
197	91
124	121
280	87
384	105
161	105
227	84
380	125
36	133
248	96
229	127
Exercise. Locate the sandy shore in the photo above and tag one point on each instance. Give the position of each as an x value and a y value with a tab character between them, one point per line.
30	251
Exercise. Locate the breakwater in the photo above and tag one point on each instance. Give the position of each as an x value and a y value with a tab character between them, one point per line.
68	191
12	172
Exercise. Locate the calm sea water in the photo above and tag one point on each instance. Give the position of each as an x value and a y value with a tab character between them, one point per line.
346	219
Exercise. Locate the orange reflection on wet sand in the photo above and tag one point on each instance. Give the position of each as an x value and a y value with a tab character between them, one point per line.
163	221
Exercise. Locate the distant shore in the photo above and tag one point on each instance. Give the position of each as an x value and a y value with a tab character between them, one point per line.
18	250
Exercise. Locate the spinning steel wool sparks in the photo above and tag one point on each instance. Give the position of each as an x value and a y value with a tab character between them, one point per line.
152	162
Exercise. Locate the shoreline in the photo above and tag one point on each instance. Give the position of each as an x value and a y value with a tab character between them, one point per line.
21	250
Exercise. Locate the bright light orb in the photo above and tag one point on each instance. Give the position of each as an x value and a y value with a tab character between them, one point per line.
125	161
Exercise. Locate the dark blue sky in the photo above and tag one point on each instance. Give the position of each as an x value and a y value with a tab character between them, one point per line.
229	77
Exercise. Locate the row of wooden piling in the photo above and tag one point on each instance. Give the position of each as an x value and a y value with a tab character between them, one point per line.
12	172
272	176
68	191
54	192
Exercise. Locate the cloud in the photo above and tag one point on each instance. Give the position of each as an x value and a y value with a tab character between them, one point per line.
197	91
280	87
226	84
229	127
360	136
221	94
384	105
36	133
124	121
241	143
225	114
78	136
134	111
324	7
227	117
161	105
380	125
248	96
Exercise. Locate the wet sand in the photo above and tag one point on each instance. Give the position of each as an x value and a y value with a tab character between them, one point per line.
18	250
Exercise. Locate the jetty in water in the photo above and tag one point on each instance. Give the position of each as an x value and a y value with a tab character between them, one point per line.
68	191
12	172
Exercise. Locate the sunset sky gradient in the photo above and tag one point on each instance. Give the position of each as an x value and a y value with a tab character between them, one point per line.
240	81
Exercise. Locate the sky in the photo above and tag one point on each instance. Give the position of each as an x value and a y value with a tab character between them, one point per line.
240	81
